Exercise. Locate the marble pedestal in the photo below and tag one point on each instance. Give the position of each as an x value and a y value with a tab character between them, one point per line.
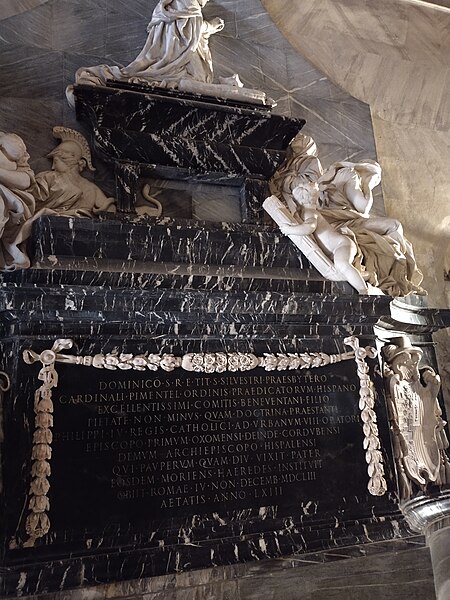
158	287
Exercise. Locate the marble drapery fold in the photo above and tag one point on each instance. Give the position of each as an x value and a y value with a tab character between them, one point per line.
386	256
177	44
365	249
177	48
17	203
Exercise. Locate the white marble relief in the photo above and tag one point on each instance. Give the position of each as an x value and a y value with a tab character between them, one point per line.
417	426
327	215
176	54
17	203
25	196
63	189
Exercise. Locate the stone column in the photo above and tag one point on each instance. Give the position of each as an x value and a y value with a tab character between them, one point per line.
430	515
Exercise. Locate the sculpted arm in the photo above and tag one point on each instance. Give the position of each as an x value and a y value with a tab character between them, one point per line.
356	197
15	179
306	227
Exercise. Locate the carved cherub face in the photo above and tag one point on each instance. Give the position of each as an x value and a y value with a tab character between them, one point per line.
406	364
13	147
68	156
307	194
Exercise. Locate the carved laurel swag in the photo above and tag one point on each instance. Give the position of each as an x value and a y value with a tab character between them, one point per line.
216	362
38	522
377	483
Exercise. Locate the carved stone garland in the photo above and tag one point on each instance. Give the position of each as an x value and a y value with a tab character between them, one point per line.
38	523
377	483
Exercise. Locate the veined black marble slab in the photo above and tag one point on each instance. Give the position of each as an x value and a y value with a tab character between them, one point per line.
199	120
165	240
95	539
183	152
159	277
197	137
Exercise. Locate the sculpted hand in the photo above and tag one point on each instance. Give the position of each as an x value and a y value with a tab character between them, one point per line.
217	23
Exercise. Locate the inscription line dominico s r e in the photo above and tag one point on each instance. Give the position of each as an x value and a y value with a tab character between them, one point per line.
38	521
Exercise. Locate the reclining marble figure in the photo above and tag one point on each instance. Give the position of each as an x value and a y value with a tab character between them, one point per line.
369	252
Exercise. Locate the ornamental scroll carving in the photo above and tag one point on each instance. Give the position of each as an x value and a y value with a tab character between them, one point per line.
38	521
417	426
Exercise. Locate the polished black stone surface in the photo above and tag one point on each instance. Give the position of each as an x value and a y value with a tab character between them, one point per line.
195	119
101	523
161	286
196	136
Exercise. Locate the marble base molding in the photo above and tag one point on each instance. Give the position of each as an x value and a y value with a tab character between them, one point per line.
430	515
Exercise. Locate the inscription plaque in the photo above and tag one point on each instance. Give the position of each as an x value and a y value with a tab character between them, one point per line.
157	445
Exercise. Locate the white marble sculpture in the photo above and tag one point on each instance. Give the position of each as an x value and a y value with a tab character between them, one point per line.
307	222
16	201
176	54
63	190
24	196
369	252
419	438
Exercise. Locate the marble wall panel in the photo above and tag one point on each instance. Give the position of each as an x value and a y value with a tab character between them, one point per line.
308	82
10	8
142	8
32	27
122	49
79	26
255	25
328	121
29	72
